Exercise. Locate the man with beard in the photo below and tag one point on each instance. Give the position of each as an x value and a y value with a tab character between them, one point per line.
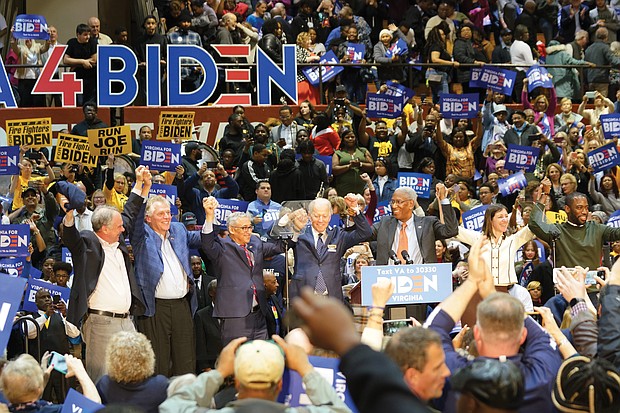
577	241
383	144
194	193
193	153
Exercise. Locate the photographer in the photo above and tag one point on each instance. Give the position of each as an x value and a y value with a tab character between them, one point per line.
341	100
27	163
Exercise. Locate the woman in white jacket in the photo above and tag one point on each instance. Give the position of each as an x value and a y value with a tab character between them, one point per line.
503	247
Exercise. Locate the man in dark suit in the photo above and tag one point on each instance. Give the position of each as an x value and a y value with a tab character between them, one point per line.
239	261
275	316
208	340
405	231
318	251
104	285
201	280
161	251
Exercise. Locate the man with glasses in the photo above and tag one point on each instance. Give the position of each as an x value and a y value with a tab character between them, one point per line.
405	231
241	304
285	135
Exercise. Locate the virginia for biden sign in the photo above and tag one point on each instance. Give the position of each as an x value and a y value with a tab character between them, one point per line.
463	106
500	80
521	158
380	105
611	125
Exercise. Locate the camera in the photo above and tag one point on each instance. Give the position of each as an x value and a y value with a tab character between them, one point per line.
73	168
339	102
35	156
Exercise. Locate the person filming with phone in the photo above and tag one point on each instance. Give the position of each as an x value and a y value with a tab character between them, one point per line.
54	331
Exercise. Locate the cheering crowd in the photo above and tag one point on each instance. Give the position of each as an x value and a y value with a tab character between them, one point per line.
388	39
172	305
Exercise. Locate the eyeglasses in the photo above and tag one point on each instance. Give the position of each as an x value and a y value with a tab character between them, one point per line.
399	202
120	182
244	228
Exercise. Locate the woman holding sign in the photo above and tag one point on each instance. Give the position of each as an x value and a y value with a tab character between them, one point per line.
504	247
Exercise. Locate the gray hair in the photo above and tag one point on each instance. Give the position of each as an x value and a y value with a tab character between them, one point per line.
408	192
150	204
103	215
21	378
237	216
317	203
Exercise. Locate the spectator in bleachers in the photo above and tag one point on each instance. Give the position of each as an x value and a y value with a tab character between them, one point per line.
602	106
443	10
351	76
501	53
436	52
286	179
81	56
521	54
173	13
573	17
306	18
600	54
150	36
29	52
257	19
195	191
95	32
252	171
304	54
348	163
459	153
53	42
464	52
191	76
565	80
547	13
385	70
204	20
544	108
313	170
604	15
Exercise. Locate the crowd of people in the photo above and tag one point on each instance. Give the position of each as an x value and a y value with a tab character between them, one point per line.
164	297
455	36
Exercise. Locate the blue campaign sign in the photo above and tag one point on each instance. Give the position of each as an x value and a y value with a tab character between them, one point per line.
355	51
611	125
614	220
35	285
11	293
521	158
9	158
76	402
396	89
14	240
167	191
227	207
327	72
335	221
413	284
421	183
66	256
604	157
474	218
293	391
30	26
161	155
514	182
381	105
15	267
398	48
499	80
463	106
383	209
537	76
35	273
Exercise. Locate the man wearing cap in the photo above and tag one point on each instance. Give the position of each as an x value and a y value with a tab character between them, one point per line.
193	153
191	76
521	131
258	367
494	122
104	289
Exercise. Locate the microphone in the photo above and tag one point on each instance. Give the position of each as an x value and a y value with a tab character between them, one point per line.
406	257
394	258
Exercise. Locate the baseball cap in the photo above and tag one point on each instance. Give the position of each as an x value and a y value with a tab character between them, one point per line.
29	189
500	108
341	88
189	218
190	146
496	383
259	364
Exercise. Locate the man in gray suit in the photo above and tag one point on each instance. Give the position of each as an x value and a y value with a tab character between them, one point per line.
406	231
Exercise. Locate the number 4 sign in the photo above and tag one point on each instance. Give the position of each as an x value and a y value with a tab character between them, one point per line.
67	86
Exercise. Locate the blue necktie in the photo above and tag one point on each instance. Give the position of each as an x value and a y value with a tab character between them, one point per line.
320	287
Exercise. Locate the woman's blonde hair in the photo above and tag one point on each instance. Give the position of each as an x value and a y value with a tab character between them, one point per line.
129	357
302	38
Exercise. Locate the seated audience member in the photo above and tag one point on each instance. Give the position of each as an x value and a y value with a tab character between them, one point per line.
130	363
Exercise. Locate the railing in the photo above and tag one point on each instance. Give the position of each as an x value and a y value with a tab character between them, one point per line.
411	67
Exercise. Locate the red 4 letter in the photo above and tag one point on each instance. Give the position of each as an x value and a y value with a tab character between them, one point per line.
68	86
